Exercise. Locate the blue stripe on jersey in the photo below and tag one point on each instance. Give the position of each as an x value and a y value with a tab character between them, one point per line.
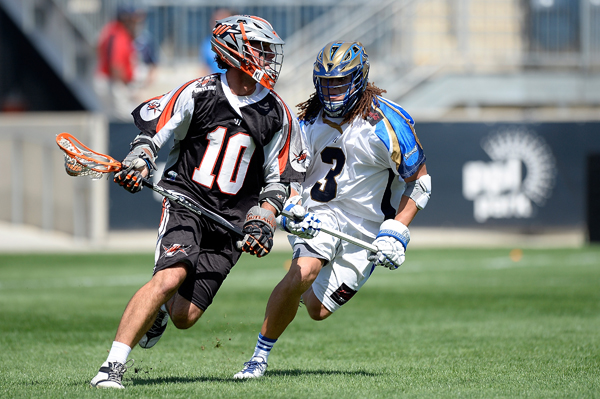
397	133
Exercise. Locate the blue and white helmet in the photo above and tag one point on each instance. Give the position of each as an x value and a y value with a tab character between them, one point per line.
338	60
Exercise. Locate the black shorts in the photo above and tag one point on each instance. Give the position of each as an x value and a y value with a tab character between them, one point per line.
208	250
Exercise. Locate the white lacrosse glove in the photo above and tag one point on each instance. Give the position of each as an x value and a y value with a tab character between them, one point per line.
391	242
302	224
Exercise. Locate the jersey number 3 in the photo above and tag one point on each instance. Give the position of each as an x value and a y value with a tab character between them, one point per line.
326	188
234	166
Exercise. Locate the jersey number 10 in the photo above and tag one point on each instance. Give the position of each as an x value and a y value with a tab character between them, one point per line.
234	166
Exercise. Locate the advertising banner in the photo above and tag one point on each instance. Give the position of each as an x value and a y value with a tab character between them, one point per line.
528	175
524	175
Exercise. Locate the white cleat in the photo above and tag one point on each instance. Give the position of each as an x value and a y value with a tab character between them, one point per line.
156	331
110	375
255	368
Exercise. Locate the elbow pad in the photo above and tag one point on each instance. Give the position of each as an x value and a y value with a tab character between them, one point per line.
144	141
275	194
419	190
143	147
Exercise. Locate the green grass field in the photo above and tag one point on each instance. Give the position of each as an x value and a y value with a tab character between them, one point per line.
449	323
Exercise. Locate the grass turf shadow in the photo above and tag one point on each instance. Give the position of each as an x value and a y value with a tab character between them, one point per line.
273	373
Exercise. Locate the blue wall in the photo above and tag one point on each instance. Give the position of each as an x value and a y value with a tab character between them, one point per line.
524	175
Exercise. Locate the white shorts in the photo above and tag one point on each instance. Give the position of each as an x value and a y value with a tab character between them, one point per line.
347	267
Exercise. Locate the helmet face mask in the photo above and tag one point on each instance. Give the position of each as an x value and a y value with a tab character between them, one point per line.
340	76
263	58
250	44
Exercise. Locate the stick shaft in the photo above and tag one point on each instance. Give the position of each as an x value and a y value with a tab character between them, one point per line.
76	149
341	236
195	208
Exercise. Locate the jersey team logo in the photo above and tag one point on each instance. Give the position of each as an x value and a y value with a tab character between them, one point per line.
204	84
153	108
300	158
521	174
174	249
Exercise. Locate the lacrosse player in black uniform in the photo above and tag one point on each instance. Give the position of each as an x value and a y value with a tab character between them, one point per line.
237	149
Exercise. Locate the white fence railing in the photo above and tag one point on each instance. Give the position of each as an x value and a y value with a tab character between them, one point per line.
409	39
34	188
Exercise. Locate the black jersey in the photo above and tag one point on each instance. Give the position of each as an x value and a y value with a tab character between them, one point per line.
226	147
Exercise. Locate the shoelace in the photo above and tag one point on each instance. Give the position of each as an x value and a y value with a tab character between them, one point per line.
251	366
157	326
116	370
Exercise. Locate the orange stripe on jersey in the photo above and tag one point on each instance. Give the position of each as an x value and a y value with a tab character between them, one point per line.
162	214
168	111
284	155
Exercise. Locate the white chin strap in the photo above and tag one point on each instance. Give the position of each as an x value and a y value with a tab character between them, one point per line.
336	107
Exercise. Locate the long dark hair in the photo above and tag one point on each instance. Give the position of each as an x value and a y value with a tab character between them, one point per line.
310	108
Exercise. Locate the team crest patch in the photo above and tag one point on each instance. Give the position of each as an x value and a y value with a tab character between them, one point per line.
343	294
205	81
300	158
153	108
374	117
174	249
204	84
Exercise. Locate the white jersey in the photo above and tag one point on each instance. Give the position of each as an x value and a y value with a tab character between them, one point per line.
360	173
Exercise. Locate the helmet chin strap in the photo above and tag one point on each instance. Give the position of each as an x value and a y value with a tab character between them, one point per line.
343	109
338	112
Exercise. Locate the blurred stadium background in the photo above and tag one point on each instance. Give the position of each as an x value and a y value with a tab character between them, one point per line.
505	94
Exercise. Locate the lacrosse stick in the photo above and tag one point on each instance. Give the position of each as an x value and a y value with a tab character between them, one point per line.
340	235
82	161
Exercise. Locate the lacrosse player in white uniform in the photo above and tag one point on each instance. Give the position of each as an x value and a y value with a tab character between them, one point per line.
366	177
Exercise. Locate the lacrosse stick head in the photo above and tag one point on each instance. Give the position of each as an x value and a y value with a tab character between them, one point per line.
83	161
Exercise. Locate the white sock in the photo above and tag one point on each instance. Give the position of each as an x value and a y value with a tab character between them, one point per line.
263	347
118	353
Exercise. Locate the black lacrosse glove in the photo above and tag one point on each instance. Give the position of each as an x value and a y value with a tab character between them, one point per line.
134	164
258	229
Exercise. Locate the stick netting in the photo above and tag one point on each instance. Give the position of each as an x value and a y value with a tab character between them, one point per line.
88	163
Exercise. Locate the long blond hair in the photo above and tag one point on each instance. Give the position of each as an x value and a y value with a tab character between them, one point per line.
310	108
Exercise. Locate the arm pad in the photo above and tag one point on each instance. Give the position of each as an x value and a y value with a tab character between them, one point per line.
275	194
419	190
143	140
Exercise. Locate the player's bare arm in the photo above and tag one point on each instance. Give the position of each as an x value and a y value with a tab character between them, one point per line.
394	236
408	207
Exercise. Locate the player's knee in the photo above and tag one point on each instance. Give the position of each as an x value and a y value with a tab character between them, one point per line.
318	313
299	282
303	275
316	310
183	314
183	321
318	316
167	281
